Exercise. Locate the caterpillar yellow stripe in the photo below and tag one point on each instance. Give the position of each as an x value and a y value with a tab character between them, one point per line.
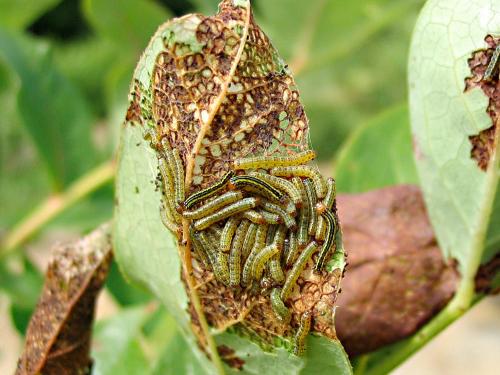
493	64
297	269
275	270
280	310
311	204
258	246
235	253
287	219
256	185
249	240
208	192
214	205
299	342
304	171
331	231
304	213
224	213
266	162
280	183
228	232
262	258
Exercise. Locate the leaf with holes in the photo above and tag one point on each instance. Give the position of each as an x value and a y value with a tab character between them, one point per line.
213	89
454	115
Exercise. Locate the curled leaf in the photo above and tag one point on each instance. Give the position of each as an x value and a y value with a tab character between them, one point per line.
396	278
58	336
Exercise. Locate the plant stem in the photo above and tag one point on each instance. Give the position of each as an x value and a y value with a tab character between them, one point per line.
56	204
386	359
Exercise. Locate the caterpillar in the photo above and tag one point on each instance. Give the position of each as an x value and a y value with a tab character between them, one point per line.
254	217
297	269
493	65
213	205
169	187
320	233
276	271
288	220
218	260
167	220
224	213
235	253
330	238
303	171
266	162
199	249
258	246
292	249
249	240
311	204
178	169
228	232
299	342
280	310
280	183
207	192
261	258
330	193
257	185
304	214
271	218
279	237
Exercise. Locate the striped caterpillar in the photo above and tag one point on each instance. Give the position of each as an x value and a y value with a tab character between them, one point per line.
259	224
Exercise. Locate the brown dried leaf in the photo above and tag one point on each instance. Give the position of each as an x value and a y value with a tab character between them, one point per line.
58	336
396	279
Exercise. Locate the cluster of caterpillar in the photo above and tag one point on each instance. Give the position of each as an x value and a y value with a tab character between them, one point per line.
259	225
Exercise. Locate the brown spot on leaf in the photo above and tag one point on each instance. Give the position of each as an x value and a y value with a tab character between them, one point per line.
396	279
228	355
58	336
483	143
486	275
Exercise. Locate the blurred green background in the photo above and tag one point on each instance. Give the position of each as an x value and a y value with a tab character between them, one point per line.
65	68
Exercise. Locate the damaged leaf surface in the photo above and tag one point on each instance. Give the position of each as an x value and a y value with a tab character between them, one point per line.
459	178
216	89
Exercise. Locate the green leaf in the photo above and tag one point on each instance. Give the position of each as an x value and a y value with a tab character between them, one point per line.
116	345
206	7
145	251
177	358
128	24
377	154
18	14
459	195
51	108
97	55
124	292
22	282
349	59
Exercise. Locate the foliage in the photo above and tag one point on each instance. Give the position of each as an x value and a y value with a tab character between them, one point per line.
65	70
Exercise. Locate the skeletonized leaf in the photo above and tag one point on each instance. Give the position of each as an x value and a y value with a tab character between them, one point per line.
215	89
58	336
